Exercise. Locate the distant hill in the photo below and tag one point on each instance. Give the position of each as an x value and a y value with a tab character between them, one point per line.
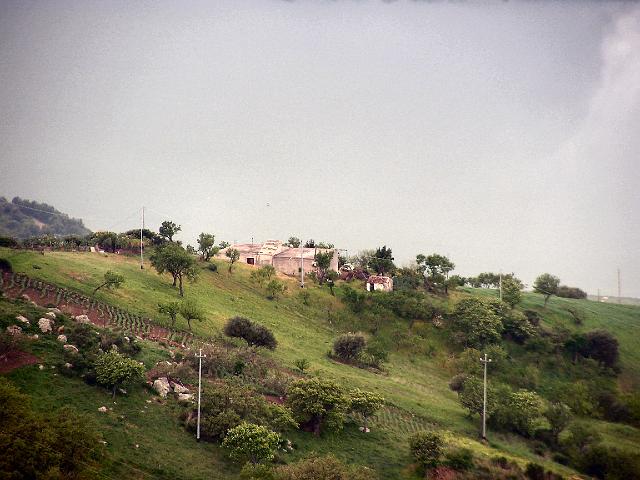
22	219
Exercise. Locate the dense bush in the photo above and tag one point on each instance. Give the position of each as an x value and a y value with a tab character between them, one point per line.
609	463
517	327
602	347
460	459
113	370
426	448
323	468
318	404
56	446
254	333
252	442
475	324
571	292
349	346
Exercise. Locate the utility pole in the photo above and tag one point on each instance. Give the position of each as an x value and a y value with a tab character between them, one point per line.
301	265
598	295
199	357
500	285
619	295
141	228
485	361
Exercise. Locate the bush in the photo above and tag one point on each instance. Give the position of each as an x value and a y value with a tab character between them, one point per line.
426	448
534	471
252	442
602	347
610	463
318	404
571	292
349	346
323	468
517	327
5	265
460	459
533	317
475	324
113	370
254	333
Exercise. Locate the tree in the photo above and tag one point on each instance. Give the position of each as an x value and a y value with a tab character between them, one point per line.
436	268
349	346
171	309
233	255
174	259
511	294
559	416
191	311
111	280
575	345
382	261
168	229
366	404
517	326
519	411
311	243
571	292
113	369
323	263
207	246
253	442
475	324
274	288
319	403
294	242
602	347
253	333
263	274
547	285
222	245
426	448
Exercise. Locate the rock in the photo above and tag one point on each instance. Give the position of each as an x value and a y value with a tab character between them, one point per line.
127	339
185	397
68	365
22	319
62	338
45	325
179	388
61	329
70	348
14	330
103	409
26	297
35	336
82	319
50	315
122	391
54	310
33	304
41	367
161	385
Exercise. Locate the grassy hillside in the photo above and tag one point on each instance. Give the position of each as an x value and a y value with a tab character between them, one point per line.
415	384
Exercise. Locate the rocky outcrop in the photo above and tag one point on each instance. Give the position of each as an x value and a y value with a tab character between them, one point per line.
62	338
45	325
161	385
185	397
23	319
82	319
70	348
14	330
50	315
179	388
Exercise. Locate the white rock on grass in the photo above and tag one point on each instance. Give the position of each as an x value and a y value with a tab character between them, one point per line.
62	338
68	365
103	409
22	319
45	325
179	388
82	319
161	385
14	330
50	315
57	311
70	348
185	397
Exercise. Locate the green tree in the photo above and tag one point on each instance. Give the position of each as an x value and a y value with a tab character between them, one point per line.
252	442
174	259
111	280
436	269
275	288
233	255
171	309
475	324
547	285
426	448
519	412
190	310
366	404
294	242
222	245
113	370
559	416
207	246
382	261
323	263
263	274
168	229
511	294
319	403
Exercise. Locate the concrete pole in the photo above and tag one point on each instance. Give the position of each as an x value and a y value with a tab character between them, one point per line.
141	228
200	357
500	285
301	265
485	361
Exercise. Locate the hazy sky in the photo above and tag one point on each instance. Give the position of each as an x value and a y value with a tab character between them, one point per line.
503	134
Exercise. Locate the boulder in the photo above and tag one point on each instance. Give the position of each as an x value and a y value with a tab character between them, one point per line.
82	319
50	315
161	385
26	297
41	367
34	336
70	348
22	319
57	311
45	325
62	338
103	409
14	330
179	388
61	329
185	397
68	365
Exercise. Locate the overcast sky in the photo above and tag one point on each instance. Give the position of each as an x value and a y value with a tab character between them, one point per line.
503	134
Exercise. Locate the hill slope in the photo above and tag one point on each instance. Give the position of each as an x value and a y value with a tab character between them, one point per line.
22	219
415	384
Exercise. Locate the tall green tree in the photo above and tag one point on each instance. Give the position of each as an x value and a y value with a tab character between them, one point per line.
323	263
168	229
547	285
113	370
475	324
171	309
319	403
207	246
111	280
511	294
436	270
294	242
174	259
190	310
233	255
252	442
382	261
366	404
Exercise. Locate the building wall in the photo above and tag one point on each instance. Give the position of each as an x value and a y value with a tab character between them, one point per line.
290	266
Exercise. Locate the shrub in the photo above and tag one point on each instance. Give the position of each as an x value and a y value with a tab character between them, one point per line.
320	404
602	347
254	333
475	324
5	265
518	411
533	317
426	448
460	459
559	416
253	442
610	463
366	404
571	292
301	364
113	370
275	288
348	346
534	471
517	327
456	383
323	468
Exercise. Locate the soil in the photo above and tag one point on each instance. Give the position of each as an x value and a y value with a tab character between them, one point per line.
15	359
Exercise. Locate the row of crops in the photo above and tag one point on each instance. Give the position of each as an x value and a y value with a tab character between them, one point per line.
118	318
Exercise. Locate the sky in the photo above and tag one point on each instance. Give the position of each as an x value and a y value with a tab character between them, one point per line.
505	135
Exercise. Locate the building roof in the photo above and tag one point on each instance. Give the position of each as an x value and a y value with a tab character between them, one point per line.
378	279
245	248
308	253
270	247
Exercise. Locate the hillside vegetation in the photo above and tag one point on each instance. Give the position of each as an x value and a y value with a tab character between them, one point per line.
414	379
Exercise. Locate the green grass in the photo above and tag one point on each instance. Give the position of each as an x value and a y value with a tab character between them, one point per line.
415	385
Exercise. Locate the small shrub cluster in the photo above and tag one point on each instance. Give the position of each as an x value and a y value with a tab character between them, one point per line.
253	333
